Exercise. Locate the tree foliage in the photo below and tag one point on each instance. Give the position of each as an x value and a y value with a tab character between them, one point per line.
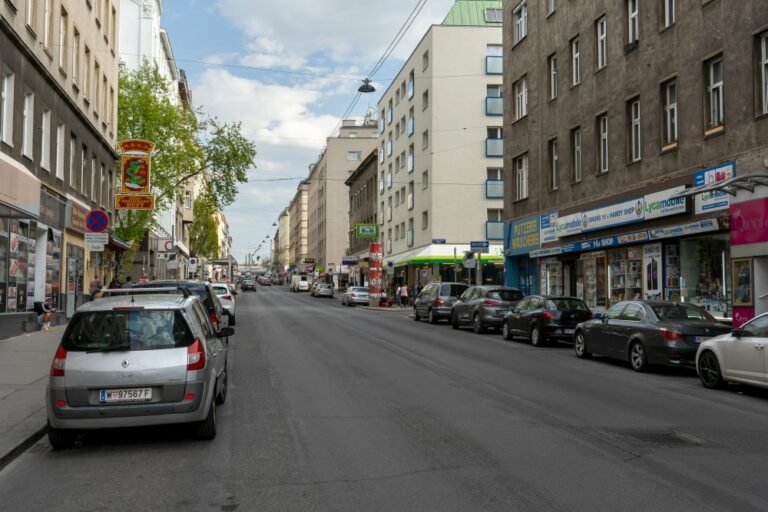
203	236
188	145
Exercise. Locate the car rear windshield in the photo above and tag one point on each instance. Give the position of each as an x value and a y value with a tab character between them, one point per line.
221	290
505	295
133	330
681	312
452	290
358	289
567	305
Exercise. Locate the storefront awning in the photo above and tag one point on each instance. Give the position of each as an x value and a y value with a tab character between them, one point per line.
117	244
19	188
443	253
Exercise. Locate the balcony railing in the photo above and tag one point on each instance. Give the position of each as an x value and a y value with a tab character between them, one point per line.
494	106
494	65
494	147
494	189
494	230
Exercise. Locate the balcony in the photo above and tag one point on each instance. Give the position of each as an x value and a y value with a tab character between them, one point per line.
494	189
494	147
494	65
494	106
494	230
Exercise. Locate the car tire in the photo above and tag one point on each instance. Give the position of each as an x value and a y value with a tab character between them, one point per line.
709	371
477	324
431	316
61	439
416	316
506	332
454	321
580	346
537	340
638	359
221	396
206	429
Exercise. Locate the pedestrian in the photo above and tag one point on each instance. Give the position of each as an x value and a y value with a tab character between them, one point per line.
128	283
45	313
114	283
397	296
403	295
95	288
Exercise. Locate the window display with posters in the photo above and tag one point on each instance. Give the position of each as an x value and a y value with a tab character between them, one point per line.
591	281
53	267
705	281
653	284
672	272
18	265
551	277
625	274
3	263
31	262
742	282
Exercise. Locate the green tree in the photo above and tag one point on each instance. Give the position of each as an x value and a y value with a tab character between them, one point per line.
203	235
188	145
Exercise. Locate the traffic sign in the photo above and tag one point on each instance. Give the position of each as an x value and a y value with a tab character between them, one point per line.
438	241
165	244
96	221
481	246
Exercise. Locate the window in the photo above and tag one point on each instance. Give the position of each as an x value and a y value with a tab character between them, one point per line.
83	164
552	66
520	22
424	219
113	27
575	61
354	156
48	24
389	112
635	145
411	189
72	161
424	180
576	153
602	150
494	15
397	232
411	85
389	176
411	122
31	13
601	28
381	153
495	173
714	72
402	160
520	168
389	144
764	71
63	40
495	214
86	73
494	50
633	23
424	100
75	56
409	233
521	98
382	213
60	136
96	92
668	13
389	208
551	7
92	189
411	157
382	124
495	133
28	125
45	140
6	107
103	197
425	139
425	60
552	158
669	114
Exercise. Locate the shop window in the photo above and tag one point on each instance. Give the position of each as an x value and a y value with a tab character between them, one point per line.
704	277
625	274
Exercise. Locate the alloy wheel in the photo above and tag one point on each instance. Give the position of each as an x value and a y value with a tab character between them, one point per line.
709	371
505	332
637	357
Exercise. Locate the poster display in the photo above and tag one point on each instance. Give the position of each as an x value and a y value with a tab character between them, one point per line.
375	282
742	282
652	272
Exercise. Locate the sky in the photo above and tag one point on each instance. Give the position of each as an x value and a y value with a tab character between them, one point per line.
287	70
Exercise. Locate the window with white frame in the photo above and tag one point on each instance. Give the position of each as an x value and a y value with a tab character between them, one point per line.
411	84
61	133
669	114
521	98
389	112
45	140
63	39
601	32
633	22
494	15
389	144
715	111
389	176
575	61
495	214
6	106
354	156
92	189
576	153
602	149
48	24
424	180
551	6
520	22
764	70
411	159
76	56
83	167
72	159
520	168
28	124
494	50
668	16
31	14
552	66
188	199
552	158
635	144
389	208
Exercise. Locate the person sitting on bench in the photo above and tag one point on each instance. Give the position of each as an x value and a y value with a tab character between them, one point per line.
45	313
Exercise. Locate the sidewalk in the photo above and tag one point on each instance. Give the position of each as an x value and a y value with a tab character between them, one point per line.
24	365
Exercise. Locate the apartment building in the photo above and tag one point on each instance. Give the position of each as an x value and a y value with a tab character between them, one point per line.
58	87
612	109
362	211
284	241
298	212
328	198
440	159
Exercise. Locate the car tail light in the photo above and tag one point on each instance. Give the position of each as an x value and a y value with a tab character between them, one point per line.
490	302
195	356
590	316
57	367
215	320
669	334
226	297
60	403
548	315
439	302
189	396
353	295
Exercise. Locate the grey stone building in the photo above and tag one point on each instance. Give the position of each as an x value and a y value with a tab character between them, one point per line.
611	108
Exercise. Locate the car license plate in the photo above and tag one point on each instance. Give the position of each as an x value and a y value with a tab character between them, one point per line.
568	331
125	395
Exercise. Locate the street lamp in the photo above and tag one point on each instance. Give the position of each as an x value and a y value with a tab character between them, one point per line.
366	87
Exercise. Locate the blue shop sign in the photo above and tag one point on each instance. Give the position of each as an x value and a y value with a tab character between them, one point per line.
522	236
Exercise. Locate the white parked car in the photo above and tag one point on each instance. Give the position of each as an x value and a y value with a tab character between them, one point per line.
226	295
739	356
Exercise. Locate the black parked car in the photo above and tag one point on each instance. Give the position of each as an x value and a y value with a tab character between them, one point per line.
541	318
435	301
483	307
647	333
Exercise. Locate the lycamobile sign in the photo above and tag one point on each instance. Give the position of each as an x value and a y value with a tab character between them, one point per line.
661	204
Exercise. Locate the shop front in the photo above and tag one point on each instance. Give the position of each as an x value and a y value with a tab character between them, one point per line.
520	238
76	258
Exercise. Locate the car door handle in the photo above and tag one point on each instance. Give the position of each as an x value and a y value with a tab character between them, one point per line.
759	347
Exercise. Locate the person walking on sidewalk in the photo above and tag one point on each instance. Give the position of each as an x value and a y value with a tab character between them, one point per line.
95	288
397	296
403	295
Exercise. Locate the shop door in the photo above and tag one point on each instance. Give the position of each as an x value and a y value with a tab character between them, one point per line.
761	285
74	280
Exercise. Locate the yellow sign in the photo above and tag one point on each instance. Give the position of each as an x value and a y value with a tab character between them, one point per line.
134	202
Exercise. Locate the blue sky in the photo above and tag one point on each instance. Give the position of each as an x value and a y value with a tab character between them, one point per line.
287	70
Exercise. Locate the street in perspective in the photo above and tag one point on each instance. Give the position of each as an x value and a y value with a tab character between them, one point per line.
428	255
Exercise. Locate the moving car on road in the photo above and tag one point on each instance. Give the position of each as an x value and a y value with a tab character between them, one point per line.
248	284
541	318
738	356
355	295
127	361
202	289
483	307
435	301
647	332
226	295
322	290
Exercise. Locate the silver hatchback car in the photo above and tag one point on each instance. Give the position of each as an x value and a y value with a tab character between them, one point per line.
136	360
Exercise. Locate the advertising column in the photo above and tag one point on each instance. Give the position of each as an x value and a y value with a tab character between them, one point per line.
374	273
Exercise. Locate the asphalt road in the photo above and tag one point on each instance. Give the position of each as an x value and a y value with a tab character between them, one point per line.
334	408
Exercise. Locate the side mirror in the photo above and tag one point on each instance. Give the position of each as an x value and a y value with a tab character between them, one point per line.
226	332
234	292
736	333
599	316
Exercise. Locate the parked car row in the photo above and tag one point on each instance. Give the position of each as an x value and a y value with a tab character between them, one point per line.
642	333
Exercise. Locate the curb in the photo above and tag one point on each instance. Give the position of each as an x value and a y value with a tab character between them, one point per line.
22	447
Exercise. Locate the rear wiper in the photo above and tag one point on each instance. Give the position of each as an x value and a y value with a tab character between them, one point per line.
111	348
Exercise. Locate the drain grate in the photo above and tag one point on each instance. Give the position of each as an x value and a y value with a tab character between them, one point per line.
662	437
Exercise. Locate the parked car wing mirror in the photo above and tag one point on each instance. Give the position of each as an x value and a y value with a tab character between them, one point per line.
599	316
736	333
226	332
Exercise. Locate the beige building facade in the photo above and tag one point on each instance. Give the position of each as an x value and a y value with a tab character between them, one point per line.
298	212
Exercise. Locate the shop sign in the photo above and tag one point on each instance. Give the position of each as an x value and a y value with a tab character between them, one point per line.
53	211
662	204
714	200
692	228
523	235
309	260
134	202
135	163
749	222
349	260
625	212
548	229
75	218
568	225
366	231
